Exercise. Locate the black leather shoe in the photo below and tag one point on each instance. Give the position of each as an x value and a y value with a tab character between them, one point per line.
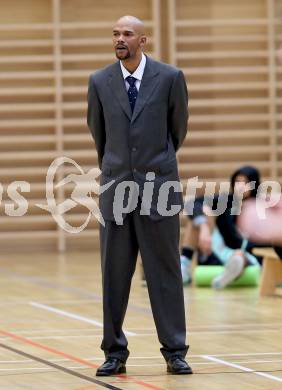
178	366
112	366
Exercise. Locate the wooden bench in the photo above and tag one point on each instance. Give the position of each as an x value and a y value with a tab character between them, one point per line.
271	275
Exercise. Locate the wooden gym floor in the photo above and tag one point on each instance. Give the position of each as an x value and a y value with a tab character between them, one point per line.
51	327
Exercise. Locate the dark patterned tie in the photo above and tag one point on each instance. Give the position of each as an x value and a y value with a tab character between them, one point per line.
132	91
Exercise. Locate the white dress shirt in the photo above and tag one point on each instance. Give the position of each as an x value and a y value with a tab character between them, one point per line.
138	74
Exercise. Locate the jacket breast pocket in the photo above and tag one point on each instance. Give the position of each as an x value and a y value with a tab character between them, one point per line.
156	107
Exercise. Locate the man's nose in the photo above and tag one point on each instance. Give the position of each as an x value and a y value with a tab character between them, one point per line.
120	39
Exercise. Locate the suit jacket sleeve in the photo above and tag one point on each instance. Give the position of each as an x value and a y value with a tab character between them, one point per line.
178	110
95	120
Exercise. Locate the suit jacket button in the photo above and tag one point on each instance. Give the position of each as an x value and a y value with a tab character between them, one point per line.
134	170
134	149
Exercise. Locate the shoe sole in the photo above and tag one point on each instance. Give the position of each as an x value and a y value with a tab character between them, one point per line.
180	372
121	370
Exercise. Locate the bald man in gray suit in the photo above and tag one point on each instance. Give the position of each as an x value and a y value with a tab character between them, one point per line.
137	114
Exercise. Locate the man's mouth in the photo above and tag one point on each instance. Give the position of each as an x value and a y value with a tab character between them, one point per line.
121	48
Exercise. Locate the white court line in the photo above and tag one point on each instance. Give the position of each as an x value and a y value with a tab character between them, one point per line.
80	367
130	334
71	301
211	363
207	363
273	326
216	332
72	315
243	354
192	328
59	337
64	331
38	369
237	331
242	368
200	333
24	361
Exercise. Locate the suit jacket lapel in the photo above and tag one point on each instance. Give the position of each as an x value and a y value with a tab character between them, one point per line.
148	85
116	82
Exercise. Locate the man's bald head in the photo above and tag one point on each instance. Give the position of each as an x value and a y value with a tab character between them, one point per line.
129	38
132	21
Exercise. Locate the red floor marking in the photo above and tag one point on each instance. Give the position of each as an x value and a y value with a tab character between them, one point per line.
72	357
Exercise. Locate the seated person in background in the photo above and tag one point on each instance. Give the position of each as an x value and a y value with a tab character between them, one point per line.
217	239
268	229
213	251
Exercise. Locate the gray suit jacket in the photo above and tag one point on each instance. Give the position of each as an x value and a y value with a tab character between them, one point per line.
130	145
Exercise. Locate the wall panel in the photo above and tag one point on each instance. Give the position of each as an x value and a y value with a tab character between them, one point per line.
48	48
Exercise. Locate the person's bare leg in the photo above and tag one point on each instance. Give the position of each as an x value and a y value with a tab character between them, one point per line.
191	235
190	243
232	270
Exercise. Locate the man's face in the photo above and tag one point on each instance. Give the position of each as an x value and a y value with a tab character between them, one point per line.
127	41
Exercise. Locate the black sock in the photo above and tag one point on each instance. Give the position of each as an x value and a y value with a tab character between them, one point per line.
187	251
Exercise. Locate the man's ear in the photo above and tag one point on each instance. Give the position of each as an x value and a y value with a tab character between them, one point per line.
143	40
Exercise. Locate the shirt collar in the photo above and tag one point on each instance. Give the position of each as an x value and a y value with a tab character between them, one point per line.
138	74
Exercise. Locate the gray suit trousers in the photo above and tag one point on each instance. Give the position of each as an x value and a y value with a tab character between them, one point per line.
158	244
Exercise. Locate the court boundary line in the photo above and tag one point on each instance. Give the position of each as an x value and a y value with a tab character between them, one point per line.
132	357
131	334
84	362
60	368
242	368
211	363
73	358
